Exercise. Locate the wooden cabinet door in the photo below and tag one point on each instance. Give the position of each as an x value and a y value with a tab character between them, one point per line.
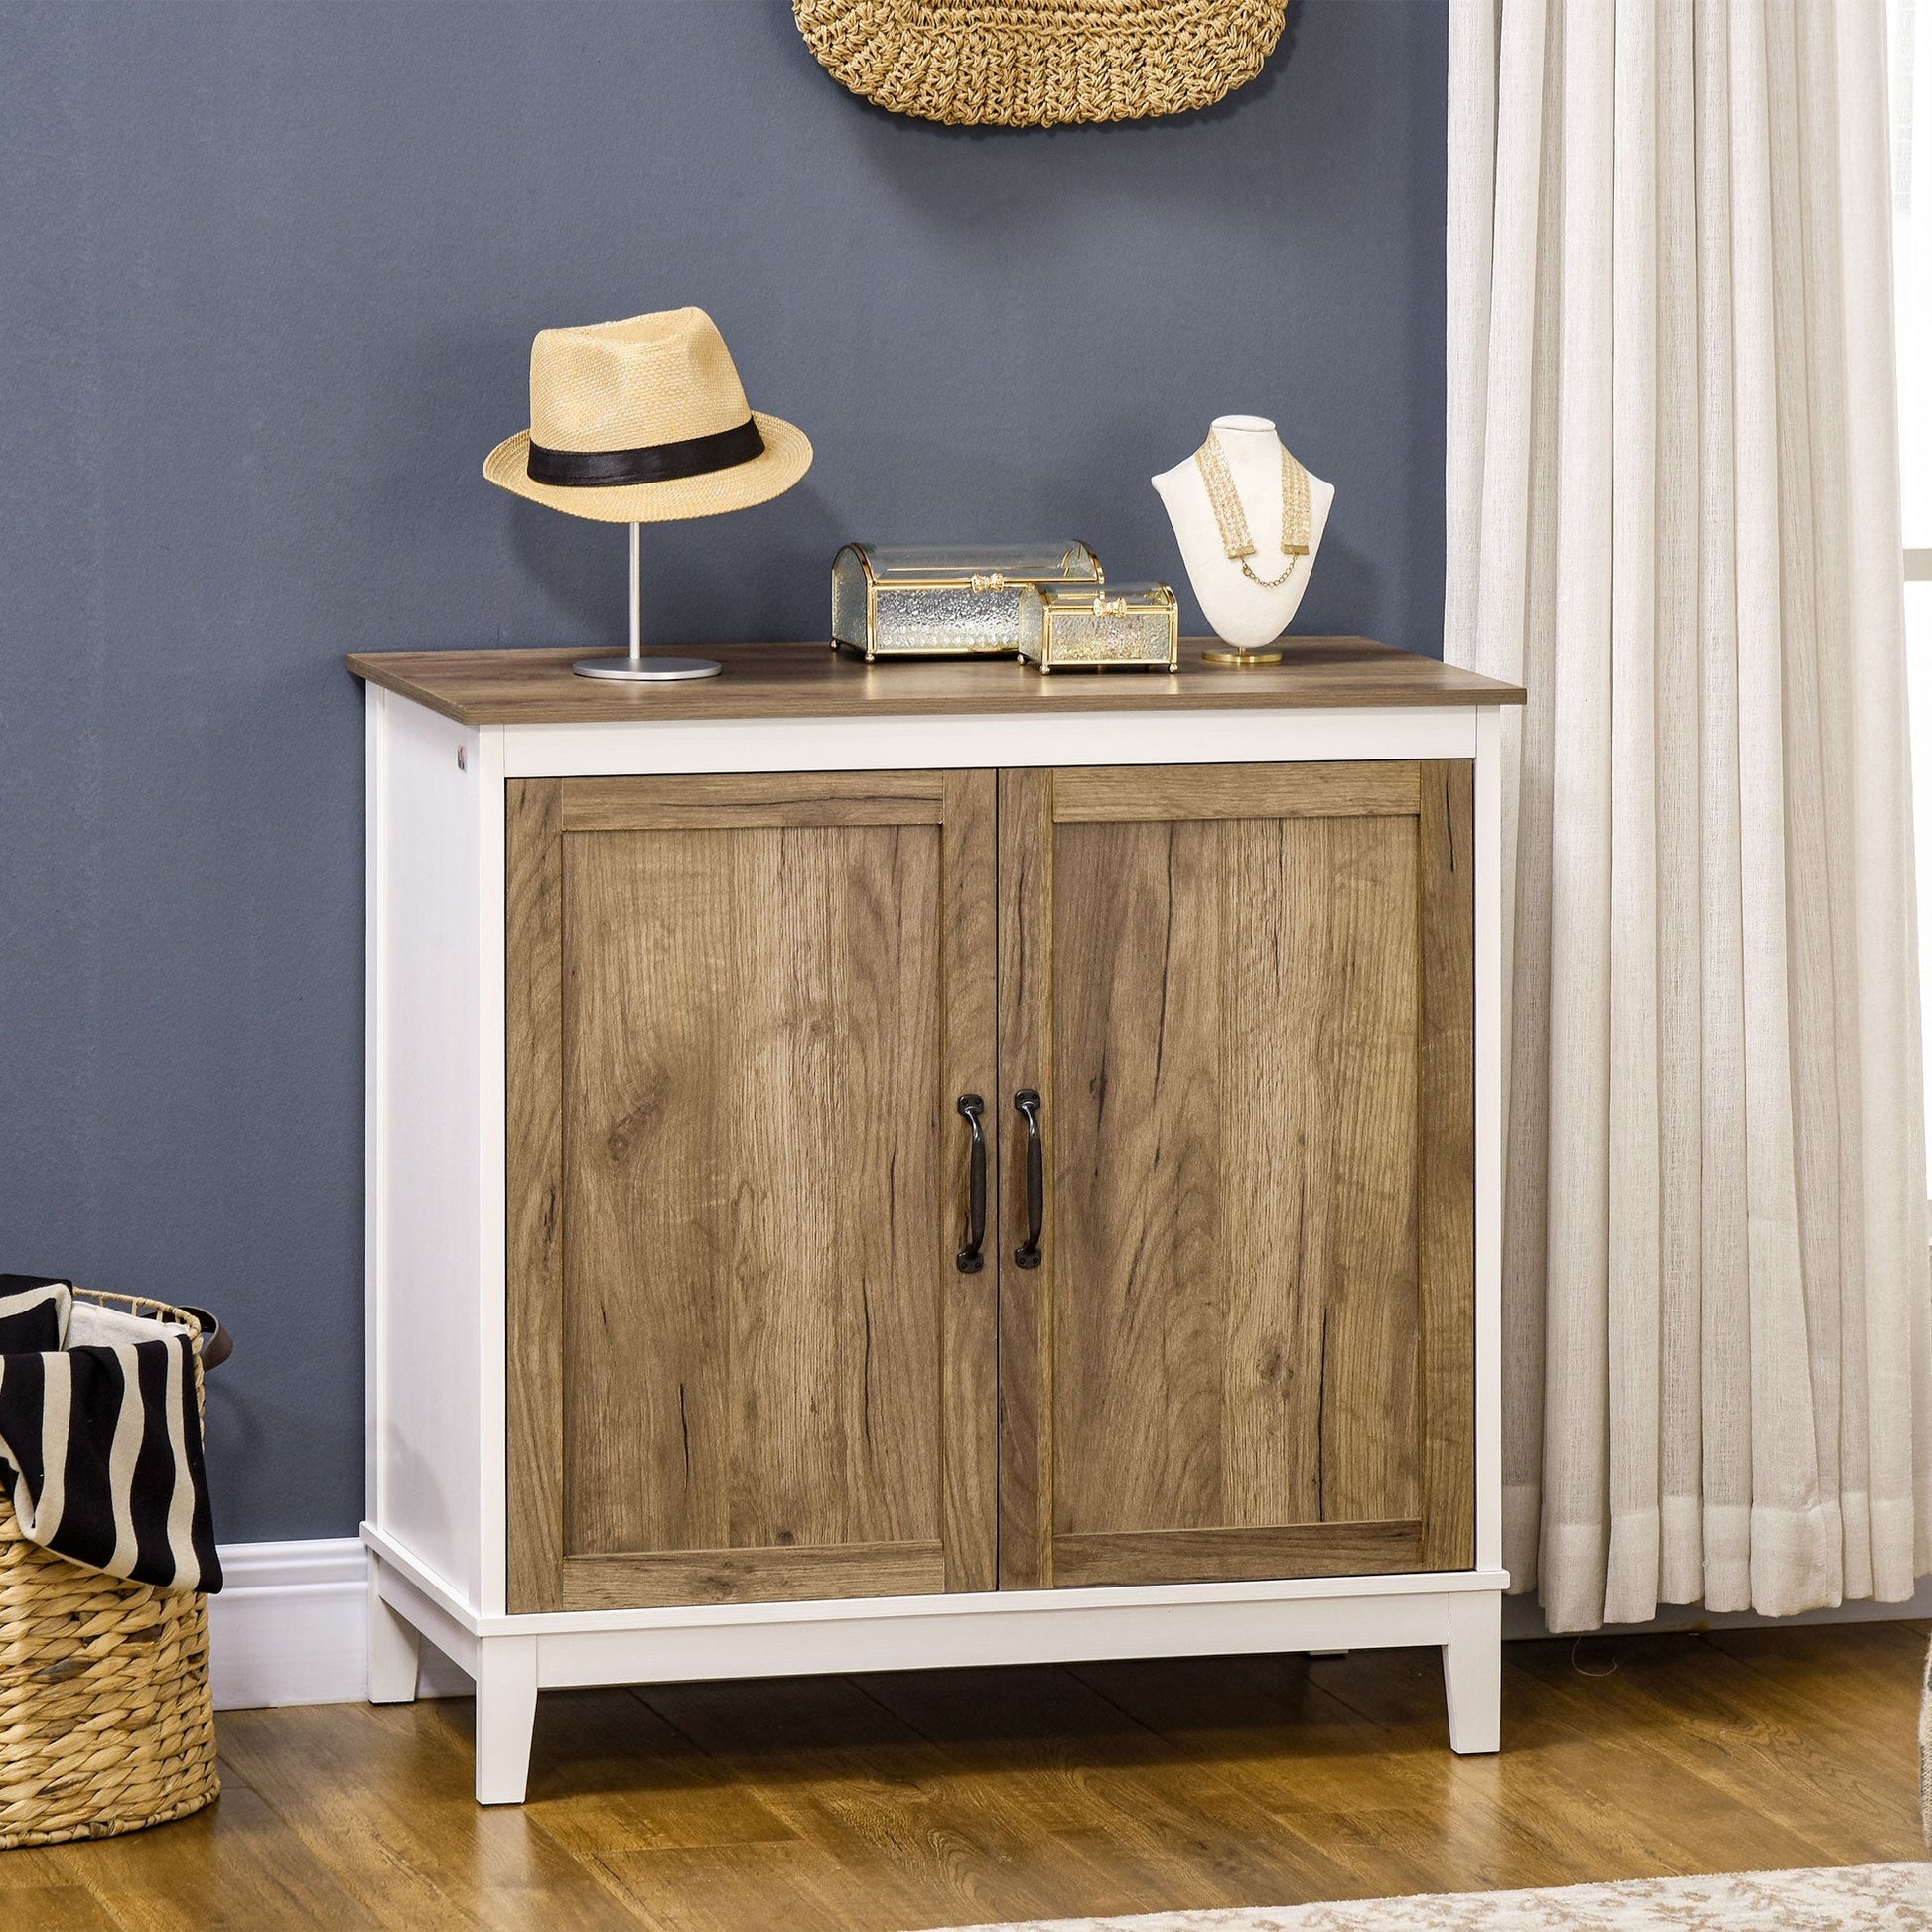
744	1363
1245	996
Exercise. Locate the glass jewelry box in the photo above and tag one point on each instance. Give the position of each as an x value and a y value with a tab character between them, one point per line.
961	601
1099	626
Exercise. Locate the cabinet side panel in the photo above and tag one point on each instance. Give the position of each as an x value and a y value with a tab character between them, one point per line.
752	1146
1449	1182
1235	1309
1354	952
375	749
1138	1130
1025	842
425	1223
533	920
969	894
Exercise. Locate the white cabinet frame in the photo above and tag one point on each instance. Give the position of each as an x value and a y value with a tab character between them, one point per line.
436	1527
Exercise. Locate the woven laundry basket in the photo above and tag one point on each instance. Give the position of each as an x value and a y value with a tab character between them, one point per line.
1041	62
106	1723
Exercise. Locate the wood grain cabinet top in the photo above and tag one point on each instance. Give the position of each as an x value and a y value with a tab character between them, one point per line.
538	687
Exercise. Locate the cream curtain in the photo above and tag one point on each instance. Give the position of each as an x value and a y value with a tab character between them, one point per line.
1673	515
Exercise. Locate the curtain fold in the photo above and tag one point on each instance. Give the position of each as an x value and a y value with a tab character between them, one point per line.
1673	515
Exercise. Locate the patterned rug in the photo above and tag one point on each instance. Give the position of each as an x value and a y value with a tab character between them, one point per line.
1848	1898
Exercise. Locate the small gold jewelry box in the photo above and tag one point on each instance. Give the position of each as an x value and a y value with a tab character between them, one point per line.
1100	627
944	603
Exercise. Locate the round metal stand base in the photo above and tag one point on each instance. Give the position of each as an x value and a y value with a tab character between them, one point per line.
1232	654
647	670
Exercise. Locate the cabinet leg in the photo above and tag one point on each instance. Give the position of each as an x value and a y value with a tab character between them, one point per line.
506	1711
1472	1671
394	1651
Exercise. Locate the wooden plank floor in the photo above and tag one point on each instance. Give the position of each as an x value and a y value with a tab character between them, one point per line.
885	1803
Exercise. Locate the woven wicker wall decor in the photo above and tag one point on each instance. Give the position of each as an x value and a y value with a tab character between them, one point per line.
1041	62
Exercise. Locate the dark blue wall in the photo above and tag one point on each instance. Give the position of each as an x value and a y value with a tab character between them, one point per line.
270	277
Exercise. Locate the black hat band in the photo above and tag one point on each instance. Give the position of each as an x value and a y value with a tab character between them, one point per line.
695	455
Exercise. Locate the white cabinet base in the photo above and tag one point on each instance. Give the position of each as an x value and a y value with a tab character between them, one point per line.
1472	1672
395	1651
506	1713
511	1658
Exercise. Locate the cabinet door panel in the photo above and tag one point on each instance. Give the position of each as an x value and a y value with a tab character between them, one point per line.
765	1377
1248	1355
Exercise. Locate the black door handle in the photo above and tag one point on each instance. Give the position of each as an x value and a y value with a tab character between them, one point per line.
969	1260
1026	1103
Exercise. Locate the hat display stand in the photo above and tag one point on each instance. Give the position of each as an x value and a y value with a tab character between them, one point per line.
637	668
645	421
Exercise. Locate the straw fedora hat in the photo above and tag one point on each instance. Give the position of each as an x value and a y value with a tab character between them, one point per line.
645	421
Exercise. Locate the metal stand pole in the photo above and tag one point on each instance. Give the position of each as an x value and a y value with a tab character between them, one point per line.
636	597
637	668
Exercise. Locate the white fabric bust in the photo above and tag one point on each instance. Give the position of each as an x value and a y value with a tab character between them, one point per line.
1243	613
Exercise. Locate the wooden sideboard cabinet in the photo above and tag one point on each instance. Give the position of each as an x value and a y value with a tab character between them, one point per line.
922	1164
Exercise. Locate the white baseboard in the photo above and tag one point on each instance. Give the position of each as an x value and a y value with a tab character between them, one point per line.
291	1626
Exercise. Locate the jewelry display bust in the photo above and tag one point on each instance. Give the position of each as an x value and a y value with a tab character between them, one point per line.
1250	600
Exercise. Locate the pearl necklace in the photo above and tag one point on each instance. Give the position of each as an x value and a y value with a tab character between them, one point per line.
1231	519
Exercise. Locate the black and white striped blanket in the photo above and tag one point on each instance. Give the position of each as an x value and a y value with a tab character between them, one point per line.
102	1440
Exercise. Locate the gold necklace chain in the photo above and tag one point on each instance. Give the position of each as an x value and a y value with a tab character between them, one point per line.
1231	519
